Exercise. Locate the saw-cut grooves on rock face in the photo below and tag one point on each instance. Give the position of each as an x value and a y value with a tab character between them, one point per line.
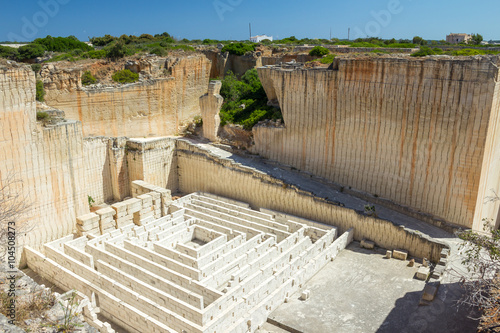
420	133
212	265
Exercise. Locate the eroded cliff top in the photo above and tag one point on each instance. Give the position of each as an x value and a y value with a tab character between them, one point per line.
148	67
9	64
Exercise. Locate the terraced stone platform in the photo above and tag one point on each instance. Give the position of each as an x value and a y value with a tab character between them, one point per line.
211	265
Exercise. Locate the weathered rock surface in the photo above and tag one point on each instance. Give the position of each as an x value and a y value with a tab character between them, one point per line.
166	97
419	132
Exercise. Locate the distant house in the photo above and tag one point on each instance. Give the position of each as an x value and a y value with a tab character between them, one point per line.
260	38
458	38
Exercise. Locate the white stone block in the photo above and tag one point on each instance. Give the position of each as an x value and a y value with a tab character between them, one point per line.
400	254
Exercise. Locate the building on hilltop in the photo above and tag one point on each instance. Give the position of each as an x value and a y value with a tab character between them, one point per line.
260	38
458	38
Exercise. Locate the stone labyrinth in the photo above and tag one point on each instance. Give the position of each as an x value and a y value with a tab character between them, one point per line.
211	265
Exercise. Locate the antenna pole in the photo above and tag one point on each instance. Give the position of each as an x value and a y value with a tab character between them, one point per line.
250	27
349	34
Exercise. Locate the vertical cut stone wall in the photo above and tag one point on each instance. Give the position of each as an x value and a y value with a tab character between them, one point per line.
420	133
47	163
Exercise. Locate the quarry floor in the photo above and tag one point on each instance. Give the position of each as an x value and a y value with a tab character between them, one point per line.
361	291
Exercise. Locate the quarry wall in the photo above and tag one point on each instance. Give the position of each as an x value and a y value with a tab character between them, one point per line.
224	62
55	169
155	107
421	133
46	163
200	170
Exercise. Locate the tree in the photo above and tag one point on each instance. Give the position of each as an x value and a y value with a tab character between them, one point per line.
31	51
482	281
477	39
9	53
319	51
419	40
117	50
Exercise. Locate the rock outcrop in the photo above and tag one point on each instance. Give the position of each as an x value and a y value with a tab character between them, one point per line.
210	105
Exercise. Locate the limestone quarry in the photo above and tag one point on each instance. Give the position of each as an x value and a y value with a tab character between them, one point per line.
162	233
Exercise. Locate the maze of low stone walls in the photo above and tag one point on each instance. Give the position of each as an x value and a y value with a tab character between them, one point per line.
212	265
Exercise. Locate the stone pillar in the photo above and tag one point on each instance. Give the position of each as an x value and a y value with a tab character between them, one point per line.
210	105
119	168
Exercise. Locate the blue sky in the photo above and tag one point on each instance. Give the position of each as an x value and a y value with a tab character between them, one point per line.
228	19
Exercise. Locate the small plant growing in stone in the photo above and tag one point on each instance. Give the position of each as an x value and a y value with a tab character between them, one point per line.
90	200
370	210
69	320
43	117
88	78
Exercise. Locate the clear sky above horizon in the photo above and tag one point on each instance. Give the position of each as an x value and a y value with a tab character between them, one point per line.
229	19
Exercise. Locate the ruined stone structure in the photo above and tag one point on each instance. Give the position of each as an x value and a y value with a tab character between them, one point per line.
213	265
422	133
458	38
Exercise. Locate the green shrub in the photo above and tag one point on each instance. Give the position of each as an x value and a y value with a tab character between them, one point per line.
116	51
319	51
401	46
467	52
42	116
62	44
9	53
88	78
101	54
186	48
327	59
365	45
238	48
247	92
103	41
425	51
77	52
31	51
62	57
159	51
125	76
40	91
36	68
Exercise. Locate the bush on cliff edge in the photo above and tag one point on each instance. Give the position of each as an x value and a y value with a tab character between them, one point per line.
40	91
319	51
125	76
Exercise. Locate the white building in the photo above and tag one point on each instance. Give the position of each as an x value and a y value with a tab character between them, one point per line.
260	38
